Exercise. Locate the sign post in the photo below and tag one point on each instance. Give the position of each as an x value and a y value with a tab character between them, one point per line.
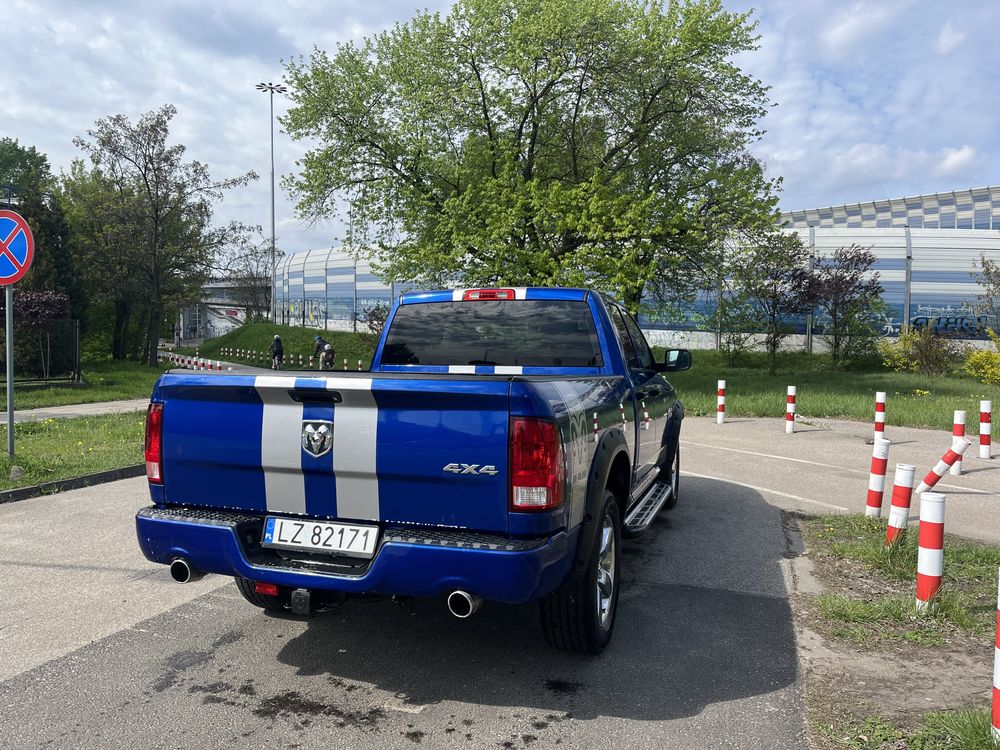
17	249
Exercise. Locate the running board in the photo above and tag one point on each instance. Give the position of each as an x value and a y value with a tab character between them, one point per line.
642	515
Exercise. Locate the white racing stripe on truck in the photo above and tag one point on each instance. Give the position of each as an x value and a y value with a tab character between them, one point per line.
355	441
462	369
281	445
508	370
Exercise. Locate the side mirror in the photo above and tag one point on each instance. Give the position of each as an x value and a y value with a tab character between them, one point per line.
676	360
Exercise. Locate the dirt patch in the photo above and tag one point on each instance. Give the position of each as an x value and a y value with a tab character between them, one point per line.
881	674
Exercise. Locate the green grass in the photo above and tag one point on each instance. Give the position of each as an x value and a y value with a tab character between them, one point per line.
296	340
937	730
64	448
102	381
967	600
913	400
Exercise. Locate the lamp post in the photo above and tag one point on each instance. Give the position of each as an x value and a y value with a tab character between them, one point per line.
271	88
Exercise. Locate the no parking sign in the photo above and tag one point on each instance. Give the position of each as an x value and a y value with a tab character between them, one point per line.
17	247
17	250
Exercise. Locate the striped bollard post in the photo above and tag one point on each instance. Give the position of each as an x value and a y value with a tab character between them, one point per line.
957	430
645	417
876	479
930	548
985	429
790	410
345	363
310	361
595	426
958	447
899	504
359	365
621	409
720	412
197	353
879	415
996	674
300	361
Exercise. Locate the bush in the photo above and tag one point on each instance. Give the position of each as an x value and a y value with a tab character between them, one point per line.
921	351
983	364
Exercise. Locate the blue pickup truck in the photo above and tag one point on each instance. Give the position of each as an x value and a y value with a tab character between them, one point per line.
502	443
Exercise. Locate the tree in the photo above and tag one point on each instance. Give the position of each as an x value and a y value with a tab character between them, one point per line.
598	142
25	172
988	301
167	207
773	273
850	295
248	268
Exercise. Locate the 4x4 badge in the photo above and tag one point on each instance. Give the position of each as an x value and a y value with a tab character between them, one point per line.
471	469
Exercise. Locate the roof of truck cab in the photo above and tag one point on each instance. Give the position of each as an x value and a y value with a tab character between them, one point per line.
520	293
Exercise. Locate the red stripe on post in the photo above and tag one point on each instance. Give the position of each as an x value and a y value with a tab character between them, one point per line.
789	416
721	407
927	586
901	496
931	535
879	465
790	399
879	406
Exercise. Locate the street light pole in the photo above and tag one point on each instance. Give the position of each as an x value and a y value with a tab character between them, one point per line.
270	88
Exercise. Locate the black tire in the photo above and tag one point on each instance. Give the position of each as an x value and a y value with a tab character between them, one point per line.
674	472
264	601
572	615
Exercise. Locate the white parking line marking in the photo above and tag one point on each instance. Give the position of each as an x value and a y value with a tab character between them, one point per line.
970	490
765	489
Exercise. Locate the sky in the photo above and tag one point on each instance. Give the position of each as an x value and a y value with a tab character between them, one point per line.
872	100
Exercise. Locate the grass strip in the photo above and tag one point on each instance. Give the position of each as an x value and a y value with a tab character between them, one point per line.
877	602
54	449
938	730
913	400
102	381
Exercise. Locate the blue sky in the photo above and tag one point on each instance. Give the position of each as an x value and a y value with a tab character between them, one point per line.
873	99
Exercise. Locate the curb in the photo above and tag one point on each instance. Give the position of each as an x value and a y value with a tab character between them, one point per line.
73	483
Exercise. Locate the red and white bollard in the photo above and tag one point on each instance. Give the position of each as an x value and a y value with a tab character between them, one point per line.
310	361
957	430
595	426
879	414
985	428
958	446
645	417
300	361
899	505
996	674
621	408
930	548
876	480
790	410
359	365
345	363
720	412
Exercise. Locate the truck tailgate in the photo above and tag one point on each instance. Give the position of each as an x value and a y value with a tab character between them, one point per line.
371	447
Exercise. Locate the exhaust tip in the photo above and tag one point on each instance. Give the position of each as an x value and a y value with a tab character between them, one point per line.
183	572
463	605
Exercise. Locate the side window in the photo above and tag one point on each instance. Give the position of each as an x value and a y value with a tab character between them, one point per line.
623	335
642	351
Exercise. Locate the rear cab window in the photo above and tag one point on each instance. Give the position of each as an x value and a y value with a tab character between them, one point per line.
527	333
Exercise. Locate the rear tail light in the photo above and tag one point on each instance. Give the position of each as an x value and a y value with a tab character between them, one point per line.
488	294
267	589
536	464
154	443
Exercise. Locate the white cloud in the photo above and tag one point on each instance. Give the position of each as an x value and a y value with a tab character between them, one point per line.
956	161
949	38
857	23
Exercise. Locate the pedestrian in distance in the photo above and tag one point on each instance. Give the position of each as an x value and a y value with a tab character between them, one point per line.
324	352
277	353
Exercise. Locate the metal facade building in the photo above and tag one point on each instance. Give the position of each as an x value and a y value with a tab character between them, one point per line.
926	248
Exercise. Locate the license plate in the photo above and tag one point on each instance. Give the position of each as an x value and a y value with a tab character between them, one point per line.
316	536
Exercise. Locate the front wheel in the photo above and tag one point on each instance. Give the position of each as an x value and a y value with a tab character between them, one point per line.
579	616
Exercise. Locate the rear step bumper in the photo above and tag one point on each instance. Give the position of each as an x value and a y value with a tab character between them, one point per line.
408	562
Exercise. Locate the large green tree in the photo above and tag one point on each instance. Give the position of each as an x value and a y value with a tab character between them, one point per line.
140	189
25	174
537	141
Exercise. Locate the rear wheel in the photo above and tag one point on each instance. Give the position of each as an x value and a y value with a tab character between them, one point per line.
580	615
675	478
265	601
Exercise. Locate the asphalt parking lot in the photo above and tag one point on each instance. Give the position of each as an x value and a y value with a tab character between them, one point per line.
100	649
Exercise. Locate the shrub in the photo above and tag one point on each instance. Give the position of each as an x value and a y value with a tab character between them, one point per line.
921	351
983	364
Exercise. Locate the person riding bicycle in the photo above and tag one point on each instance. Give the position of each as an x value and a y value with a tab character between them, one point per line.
324	351
277	352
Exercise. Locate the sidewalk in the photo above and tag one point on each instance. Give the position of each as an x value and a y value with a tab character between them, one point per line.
77	410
